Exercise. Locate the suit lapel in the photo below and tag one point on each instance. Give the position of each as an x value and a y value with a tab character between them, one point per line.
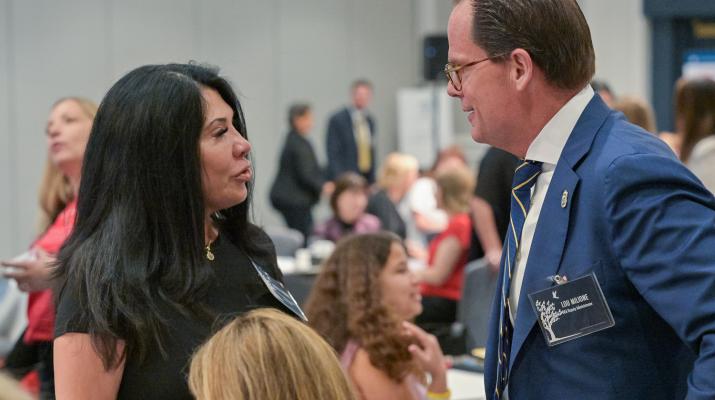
550	236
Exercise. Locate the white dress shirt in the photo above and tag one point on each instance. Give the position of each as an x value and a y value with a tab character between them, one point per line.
547	148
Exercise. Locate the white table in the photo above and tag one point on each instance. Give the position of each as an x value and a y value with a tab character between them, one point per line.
466	385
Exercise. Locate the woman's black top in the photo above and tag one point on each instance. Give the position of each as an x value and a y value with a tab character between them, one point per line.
235	289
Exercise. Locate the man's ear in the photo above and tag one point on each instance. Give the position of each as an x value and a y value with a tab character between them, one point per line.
522	68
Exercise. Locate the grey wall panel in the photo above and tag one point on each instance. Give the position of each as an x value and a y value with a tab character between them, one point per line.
239	36
620	35
314	42
383	48
149	32
8	224
57	51
274	51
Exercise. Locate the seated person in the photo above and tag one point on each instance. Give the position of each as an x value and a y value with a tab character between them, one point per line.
397	174
349	202
267	355
361	304
420	212
448	252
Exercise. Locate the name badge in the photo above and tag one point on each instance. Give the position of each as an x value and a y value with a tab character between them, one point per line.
571	310
280	292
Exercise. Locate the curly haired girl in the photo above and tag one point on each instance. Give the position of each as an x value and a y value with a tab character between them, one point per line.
361	303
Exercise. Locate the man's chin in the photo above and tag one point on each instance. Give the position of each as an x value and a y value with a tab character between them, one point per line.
477	136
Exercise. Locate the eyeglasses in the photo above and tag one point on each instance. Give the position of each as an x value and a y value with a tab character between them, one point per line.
452	72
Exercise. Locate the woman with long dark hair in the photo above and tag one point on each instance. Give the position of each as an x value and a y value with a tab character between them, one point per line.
163	250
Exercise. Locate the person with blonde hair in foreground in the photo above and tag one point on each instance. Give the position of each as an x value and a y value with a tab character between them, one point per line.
266	354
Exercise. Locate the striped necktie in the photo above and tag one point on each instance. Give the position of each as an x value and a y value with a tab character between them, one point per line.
524	179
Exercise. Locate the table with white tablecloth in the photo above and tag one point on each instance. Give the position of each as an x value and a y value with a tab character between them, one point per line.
466	385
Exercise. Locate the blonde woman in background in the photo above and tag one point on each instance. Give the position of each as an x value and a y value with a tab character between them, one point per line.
396	176
267	355
67	131
420	212
447	255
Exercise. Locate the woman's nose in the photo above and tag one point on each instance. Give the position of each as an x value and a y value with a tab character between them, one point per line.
53	130
242	147
413	279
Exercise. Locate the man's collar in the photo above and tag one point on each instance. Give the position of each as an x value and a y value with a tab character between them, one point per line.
550	142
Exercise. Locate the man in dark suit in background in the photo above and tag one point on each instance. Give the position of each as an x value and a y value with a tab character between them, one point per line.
350	141
607	281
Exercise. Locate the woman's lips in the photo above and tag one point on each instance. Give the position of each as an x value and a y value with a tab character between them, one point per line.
55	147
244	175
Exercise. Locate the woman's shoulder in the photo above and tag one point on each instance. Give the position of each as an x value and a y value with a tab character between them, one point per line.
460	222
260	249
367	223
69	317
704	150
374	383
360	359
56	234
459	226
363	370
324	228
347	356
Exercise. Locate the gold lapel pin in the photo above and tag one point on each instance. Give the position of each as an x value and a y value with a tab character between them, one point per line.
564	198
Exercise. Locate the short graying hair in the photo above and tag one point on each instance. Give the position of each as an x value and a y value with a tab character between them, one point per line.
553	32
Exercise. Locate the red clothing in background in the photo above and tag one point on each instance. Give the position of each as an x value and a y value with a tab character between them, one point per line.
40	307
459	226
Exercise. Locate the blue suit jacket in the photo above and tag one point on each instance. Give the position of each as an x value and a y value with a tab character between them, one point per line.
341	146
639	220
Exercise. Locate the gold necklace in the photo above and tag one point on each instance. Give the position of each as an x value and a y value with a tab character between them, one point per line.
209	254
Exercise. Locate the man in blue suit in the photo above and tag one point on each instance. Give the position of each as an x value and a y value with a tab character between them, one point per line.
599	196
350	140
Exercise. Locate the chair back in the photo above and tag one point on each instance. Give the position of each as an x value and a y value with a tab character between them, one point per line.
286	240
475	306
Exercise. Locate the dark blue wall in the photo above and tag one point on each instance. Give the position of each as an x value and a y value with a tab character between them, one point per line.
671	22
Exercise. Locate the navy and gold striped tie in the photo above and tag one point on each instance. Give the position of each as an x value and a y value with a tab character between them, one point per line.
524	179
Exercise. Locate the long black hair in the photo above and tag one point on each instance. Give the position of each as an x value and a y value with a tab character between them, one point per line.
137	244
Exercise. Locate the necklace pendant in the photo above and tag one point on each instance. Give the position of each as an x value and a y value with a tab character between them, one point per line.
209	255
